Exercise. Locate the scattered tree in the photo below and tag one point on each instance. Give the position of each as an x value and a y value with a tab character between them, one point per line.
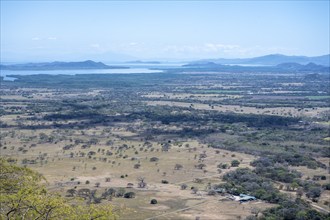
178	167
153	201
235	163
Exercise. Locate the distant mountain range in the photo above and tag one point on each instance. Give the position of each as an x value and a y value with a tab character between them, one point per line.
283	67
88	64
270	60
272	63
299	67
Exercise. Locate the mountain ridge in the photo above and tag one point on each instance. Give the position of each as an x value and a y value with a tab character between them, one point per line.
283	67
271	60
58	65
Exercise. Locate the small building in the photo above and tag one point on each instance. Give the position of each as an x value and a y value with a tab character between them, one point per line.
245	198
242	198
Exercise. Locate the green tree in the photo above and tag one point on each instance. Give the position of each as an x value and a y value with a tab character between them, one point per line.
235	163
23	196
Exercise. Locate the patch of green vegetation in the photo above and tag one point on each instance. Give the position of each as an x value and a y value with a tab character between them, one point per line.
22	194
248	182
212	91
318	97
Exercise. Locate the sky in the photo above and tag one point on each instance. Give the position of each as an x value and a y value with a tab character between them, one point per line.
161	30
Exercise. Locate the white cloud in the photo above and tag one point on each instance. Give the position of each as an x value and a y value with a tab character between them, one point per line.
220	47
95	46
203	50
217	50
36	38
208	48
52	38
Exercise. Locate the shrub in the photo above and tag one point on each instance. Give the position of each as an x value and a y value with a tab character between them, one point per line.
154	159
314	192
153	201
178	166
129	195
183	186
120	192
235	163
326	186
223	166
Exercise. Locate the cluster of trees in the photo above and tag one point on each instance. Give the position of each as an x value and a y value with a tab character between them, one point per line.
23	196
294	159
295	210
270	168
91	197
266	167
244	180
249	119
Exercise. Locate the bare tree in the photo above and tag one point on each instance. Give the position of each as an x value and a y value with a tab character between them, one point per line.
141	182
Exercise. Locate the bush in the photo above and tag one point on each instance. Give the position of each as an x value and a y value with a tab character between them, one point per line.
314	192
153	159
223	166
153	201
120	192
235	163
129	195
183	186
326	186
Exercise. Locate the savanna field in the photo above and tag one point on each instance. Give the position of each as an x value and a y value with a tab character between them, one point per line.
180	145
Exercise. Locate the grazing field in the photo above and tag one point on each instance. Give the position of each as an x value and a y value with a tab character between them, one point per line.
188	143
281	111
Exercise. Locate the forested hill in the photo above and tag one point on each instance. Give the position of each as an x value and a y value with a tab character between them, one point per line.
283	67
88	64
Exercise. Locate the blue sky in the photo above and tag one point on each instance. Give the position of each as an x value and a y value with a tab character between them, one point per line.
119	30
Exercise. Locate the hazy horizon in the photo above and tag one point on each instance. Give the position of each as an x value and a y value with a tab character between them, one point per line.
171	30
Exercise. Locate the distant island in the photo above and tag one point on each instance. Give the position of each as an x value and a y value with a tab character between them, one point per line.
270	60
143	62
88	64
